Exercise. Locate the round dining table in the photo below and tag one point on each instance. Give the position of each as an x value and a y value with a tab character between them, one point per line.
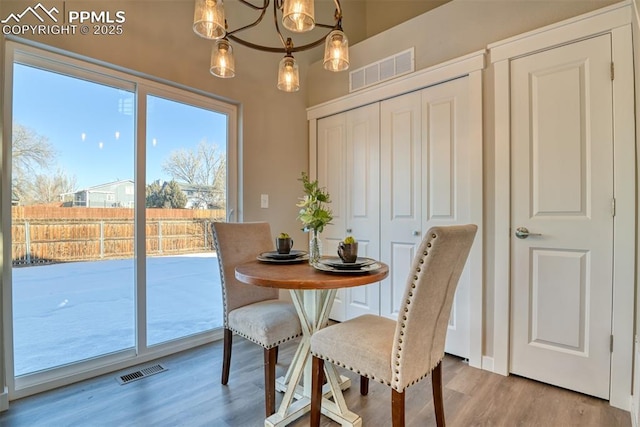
312	293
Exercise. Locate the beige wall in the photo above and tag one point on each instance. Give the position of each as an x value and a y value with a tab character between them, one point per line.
449	31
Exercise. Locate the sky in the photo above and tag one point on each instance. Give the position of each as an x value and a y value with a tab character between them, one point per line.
91	125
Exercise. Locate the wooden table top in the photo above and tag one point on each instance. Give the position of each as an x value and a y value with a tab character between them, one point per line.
303	276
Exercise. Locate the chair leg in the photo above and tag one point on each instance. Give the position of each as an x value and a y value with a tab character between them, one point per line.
277	352
436	385
270	380
364	385
397	408
317	374
226	355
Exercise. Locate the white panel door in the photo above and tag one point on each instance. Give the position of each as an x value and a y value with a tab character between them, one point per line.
362	171
562	188
446	183
349	167
332	142
400	194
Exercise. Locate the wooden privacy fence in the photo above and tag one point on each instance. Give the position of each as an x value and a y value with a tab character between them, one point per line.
52	235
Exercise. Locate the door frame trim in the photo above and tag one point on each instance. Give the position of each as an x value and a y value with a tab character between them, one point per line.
615	20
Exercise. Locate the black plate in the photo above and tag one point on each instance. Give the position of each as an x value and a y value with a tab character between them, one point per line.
360	270
301	258
275	255
336	262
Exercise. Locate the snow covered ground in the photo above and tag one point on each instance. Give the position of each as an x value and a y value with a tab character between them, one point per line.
68	312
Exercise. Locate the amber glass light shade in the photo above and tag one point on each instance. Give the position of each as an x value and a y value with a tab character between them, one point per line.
336	51
223	64
208	19
298	15
288	77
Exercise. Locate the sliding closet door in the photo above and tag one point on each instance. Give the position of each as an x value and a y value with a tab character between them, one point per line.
425	182
349	167
446	185
400	195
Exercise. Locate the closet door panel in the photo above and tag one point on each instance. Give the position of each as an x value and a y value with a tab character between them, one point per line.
400	196
349	167
447	183
332	149
363	200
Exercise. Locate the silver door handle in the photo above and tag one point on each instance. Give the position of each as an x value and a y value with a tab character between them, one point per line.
523	233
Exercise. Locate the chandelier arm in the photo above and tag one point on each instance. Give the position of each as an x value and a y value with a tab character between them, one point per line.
265	4
275	22
333	27
338	10
278	49
285	49
254	23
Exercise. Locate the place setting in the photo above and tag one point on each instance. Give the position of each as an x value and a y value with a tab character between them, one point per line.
347	260
284	253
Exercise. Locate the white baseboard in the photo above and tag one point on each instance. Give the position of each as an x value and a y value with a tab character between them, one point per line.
487	363
4	400
635	416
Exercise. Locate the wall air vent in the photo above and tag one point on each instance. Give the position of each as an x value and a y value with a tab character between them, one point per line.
140	374
380	71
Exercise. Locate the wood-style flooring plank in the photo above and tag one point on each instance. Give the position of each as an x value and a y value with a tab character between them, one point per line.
190	394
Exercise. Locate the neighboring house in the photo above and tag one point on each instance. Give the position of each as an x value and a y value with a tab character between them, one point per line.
199	196
15	199
117	194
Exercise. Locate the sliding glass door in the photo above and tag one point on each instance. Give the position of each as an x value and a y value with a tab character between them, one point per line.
186	192
114	183
71	218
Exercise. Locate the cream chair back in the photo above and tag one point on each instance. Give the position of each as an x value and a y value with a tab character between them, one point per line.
424	314
237	243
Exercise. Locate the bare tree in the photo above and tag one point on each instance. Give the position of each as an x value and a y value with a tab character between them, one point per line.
204	168
31	153
48	188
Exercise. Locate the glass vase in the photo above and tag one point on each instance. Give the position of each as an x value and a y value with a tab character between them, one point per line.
315	247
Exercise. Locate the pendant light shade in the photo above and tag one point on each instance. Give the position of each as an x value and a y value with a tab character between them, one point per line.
288	78
298	15
223	64
336	51
208	19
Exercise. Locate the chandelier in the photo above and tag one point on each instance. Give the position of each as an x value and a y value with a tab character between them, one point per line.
296	15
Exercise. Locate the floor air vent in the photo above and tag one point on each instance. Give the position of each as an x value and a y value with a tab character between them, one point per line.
142	373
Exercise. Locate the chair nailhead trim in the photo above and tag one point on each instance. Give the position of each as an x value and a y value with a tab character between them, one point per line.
276	344
403	325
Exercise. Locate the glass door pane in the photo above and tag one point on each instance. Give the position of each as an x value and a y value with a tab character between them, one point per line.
72	219
185	192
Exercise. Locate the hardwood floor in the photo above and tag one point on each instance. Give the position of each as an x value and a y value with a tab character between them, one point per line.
190	394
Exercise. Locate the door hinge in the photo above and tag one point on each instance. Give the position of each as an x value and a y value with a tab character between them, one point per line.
613	207
611	344
613	73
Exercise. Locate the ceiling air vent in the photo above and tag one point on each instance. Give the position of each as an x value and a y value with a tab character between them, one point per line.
380	71
142	373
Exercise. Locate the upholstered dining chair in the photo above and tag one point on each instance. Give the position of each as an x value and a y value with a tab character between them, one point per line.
252	312
401	353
